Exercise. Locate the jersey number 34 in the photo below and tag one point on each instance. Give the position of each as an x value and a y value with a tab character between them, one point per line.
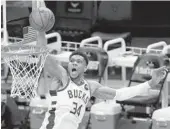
76	109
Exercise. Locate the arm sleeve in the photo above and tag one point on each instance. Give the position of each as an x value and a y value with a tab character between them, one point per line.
130	92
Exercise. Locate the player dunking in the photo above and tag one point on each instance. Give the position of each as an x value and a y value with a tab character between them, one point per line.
69	99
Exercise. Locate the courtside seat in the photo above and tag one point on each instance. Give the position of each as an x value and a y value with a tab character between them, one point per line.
108	36
141	73
166	51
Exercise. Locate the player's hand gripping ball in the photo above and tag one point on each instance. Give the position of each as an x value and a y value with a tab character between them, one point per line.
42	19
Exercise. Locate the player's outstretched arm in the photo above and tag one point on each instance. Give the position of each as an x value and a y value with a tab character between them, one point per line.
52	65
105	93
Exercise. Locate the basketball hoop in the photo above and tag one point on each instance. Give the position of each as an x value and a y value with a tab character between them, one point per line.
26	63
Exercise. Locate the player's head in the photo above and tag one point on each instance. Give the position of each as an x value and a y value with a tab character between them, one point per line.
78	62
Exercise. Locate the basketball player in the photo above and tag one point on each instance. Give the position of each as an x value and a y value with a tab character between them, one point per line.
69	99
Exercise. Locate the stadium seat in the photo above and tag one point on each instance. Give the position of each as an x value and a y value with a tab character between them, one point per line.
145	105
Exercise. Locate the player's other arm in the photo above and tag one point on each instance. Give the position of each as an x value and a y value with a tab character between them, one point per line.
104	92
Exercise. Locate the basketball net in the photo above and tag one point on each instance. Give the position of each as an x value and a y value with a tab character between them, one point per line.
26	63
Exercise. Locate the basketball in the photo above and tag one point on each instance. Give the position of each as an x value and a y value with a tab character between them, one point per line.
42	19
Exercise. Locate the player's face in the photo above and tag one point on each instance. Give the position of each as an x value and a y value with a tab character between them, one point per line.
76	66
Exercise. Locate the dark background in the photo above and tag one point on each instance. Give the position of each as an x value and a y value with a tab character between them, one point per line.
148	19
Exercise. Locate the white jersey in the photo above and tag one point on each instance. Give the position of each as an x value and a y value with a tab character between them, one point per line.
70	107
